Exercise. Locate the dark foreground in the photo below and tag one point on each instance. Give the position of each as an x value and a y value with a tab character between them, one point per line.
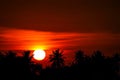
95	67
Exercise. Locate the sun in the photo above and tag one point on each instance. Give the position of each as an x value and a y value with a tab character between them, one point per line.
39	54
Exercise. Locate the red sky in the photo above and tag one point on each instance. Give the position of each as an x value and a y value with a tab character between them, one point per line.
67	24
19	39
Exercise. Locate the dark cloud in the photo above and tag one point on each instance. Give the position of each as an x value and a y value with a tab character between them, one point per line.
61	15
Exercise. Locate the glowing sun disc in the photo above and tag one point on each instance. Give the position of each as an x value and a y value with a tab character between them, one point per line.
39	54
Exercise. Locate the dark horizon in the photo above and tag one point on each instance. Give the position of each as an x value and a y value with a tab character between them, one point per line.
69	56
82	67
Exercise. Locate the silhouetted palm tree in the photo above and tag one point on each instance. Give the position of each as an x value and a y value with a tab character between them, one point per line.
116	57
25	65
116	65
27	56
79	57
10	57
57	59
98	56
95	67
2	57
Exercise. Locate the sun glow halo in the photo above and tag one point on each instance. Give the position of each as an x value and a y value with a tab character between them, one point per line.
39	54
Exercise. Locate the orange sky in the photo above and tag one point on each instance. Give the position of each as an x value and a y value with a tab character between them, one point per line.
18	39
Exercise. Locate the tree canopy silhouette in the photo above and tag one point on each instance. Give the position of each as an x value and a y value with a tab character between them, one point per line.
56	58
79	57
94	67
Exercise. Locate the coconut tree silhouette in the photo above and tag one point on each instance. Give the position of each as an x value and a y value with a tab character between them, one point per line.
116	57
116	65
56	58
94	67
97	65
25	65
98	56
79	57
27	57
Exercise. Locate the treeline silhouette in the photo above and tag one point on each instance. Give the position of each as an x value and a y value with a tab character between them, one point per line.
94	67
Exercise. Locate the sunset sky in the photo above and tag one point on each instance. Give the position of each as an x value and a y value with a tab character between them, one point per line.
66	24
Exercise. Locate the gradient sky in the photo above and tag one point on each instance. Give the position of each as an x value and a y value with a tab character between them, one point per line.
66	24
